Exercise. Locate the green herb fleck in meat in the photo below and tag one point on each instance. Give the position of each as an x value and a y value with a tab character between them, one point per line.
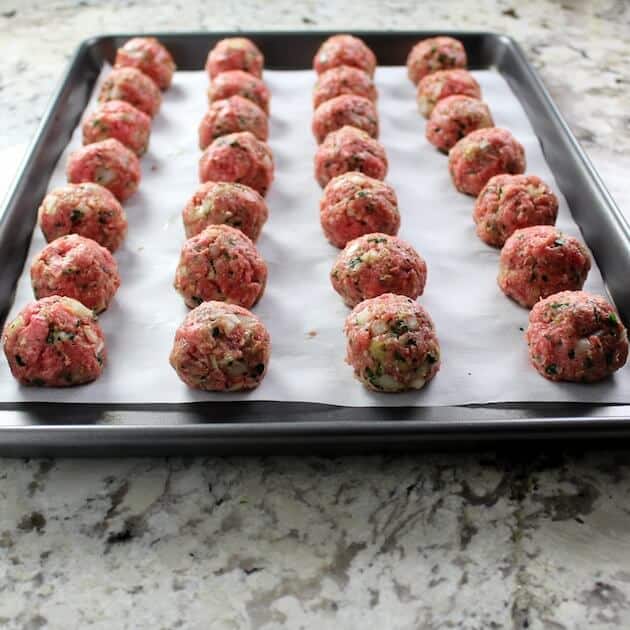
551	369
399	327
76	215
612	319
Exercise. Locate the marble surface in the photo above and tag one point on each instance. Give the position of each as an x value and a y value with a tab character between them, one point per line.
516	539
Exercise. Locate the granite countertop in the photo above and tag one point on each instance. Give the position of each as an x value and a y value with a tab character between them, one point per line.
475	541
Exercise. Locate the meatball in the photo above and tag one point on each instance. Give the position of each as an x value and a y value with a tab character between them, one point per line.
438	85
354	204
150	57
121	121
344	50
510	202
108	163
78	268
235	53
239	83
221	347
55	342
343	110
455	117
349	149
343	80
86	209
224	203
134	87
220	263
230	116
392	344
483	154
538	261
433	54
576	336
374	264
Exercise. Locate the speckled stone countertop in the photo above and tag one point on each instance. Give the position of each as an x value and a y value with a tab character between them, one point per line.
471	541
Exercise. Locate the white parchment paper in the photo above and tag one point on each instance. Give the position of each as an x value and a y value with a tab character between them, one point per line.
484	355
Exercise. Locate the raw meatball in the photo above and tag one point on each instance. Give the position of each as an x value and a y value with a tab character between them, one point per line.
230	116
235	53
438	85
392	344
343	80
436	53
455	117
539	261
108	163
354	204
510	202
121	121
220	263
344	50
349	149
239	83
134	87
86	209
375	264
55	342
150	57
76	267
576	336
483	154
223	203
221	347
347	109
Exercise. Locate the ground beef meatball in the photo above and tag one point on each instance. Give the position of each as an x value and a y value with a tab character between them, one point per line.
392	344
121	121
86	209
223	203
108	163
134	87
76	267
576	336
354	204
510	202
235	53
239	83
538	261
221	347
455	117
375	264
220	263
347	109
483	154
55	342
343	80
433	54
349	149
344	50
232	115
438	85
150	57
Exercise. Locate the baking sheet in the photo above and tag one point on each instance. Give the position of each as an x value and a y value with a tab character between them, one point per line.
484	357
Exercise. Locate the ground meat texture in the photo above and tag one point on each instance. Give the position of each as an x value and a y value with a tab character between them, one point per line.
239	83
150	57
340	111
343	80
455	117
134	87
221	347
230	116
108	163
235	53
121	121
436	53
510	202
538	261
438	85
55	342
86	209
375	264
349	149
392	344
220	263
483	154
344	50
576	336
354	204
222	203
